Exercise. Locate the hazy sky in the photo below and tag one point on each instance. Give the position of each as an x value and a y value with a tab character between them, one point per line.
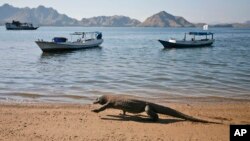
209	11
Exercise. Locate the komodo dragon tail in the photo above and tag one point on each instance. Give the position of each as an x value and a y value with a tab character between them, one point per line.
171	112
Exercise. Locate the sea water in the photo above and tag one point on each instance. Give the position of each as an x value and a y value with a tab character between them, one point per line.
130	61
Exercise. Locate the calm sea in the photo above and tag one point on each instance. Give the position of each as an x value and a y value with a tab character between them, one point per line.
131	61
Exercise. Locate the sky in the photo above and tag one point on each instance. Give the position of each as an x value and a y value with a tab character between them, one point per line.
208	11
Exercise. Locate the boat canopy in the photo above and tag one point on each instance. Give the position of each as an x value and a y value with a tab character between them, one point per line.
200	33
82	33
88	35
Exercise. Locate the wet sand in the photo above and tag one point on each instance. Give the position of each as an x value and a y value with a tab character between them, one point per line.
59	122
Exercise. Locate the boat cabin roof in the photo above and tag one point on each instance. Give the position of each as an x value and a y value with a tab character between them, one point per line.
82	33
200	33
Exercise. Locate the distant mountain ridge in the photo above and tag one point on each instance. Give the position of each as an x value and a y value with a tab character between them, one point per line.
233	25
50	17
107	21
40	15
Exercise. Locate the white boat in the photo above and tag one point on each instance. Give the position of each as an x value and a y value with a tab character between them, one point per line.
84	40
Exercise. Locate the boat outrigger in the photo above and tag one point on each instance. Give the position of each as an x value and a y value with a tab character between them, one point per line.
172	43
84	40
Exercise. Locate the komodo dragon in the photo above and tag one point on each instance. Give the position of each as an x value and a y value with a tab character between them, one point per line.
138	106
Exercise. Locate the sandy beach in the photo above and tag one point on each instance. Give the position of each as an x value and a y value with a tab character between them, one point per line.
59	122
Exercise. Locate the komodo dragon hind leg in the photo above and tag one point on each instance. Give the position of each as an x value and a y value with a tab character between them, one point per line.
123	114
153	115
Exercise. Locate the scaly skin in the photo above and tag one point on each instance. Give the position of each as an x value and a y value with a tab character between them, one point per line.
138	106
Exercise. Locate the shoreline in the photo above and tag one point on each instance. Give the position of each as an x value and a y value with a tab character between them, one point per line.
26	98
48	121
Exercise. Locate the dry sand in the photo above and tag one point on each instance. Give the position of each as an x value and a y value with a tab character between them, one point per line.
59	122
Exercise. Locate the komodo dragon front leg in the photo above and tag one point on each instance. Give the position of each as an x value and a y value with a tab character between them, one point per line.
104	107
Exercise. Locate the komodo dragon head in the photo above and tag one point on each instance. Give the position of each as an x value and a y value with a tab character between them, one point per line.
101	100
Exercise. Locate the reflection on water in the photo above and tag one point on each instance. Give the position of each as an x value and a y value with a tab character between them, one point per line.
131	61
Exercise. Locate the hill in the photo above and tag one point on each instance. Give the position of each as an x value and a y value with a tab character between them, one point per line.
164	19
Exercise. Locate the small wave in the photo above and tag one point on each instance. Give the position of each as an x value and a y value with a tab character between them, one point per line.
42	96
73	97
206	99
28	95
213	64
